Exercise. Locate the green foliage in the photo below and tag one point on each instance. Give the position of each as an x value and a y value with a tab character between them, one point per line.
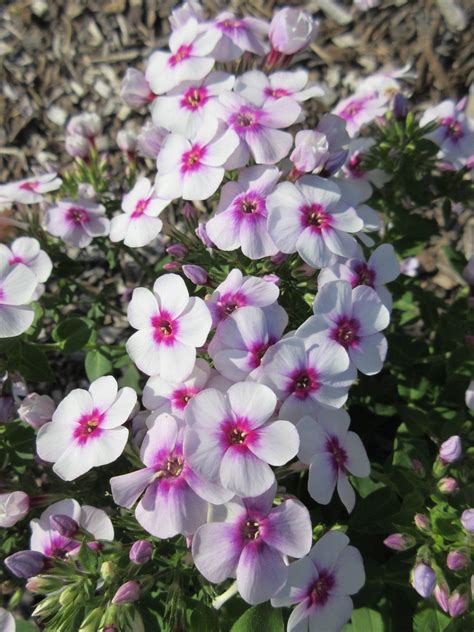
258	618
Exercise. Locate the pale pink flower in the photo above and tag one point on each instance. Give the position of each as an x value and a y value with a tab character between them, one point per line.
237	291
191	106
87	430
469	397
331	451
77	222
135	89
27	250
258	87
36	410
291	30
321	584
13	508
354	171
360	109
185	11
313	218
30	190
243	338
238	35
190	58
250	540
170	327
231	441
17	287
193	170
322	148
87	124
259	128
241	215
176	497
7	621
139	223
150	140
77	146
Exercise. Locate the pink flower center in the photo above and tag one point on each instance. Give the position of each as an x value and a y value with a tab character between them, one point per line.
258	351
251	529
194	98
250	204
236	434
315	217
181	397
191	160
319	591
140	208
245	120
229	302
172	467
363	275
165	328
303	383
346	331
183	52
352	109
230	25
276	93
354	166
77	215
88	426
453	128
30	186
15	259
339	455
59	546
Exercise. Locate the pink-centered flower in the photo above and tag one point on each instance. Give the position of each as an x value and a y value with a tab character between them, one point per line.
382	267
17	287
14	506
27	250
193	170
160	394
190	58
230	439
170	327
237	291
249	539
46	539
139	223
243	338
352	319
257	87
360	109
320	585
306	374
87	430
331	451
356	173
259	128
237	35
191	106
76	222
312	218
176	497
31	190
241	216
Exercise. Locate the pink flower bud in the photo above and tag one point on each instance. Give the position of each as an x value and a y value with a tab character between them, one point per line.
291	30
400	108
87	124
278	258
399	542
189	212
418	467
150	140
77	146
36	410
467	520
448	485
422	522
25	564
141	551
201	232
64	525
177	250
456	560
451	449
196	274
272	278
127	141
458	602
441	595
172	266
127	593
424	580
7	409
13	508
135	90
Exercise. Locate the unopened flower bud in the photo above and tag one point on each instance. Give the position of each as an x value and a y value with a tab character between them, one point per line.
399	542
87	124
189	212
127	141
77	146
441	594
400	108
127	593
150	140
13	508
177	250
424	579
418	467
36	410
448	485
25	564
201	232
467	520
196	274
141	551
291	30
65	525
451	449
107	570
458	602
457	560
278	258
7	409
272	278
422	522
172	266
135	90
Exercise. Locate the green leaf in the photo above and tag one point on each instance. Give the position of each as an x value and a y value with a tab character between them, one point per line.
87	558
203	618
430	620
259	618
97	364
33	364
366	620
73	334
25	626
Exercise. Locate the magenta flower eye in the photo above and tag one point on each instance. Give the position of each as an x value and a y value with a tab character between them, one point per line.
319	593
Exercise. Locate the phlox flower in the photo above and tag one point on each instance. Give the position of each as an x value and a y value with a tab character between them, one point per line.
150	140
249	539
176	497
311	217
161	394
230	439
192	105
454	134
237	291
291	30
243	338
322	148
36	410
190	58
258	87
135	90
306	374
356	196
139	224
76	222
46	539
27	250
193	170
354	171
87	430
7	621
241	216
185	11
31	190
259	128
469	396
382	267
360	109
14	506
238	35
331	451
17	287
170	327
321	584
86	124
352	319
